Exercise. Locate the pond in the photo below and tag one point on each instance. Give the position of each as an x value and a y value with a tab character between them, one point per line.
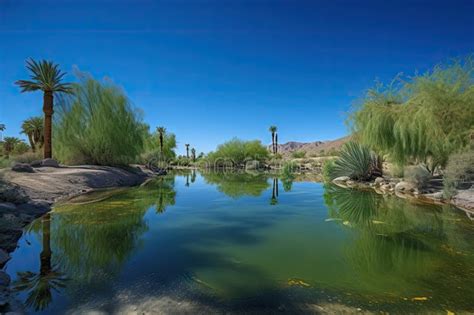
244	242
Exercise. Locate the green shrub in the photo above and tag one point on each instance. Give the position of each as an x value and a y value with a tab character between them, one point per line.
423	119
236	153
97	125
5	162
298	154
418	175
459	173
355	161
28	157
328	170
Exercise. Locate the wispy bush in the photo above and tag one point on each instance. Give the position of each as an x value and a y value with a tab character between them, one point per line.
422	119
298	154
97	125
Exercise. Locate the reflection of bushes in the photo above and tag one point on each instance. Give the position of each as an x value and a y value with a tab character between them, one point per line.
101	235
237	185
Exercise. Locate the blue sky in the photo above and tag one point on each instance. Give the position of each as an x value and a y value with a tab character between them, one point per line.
212	70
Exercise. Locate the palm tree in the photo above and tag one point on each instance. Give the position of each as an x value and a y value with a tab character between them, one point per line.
187	150
9	144
2	129
161	133
46	77
33	128
274	199
193	154
273	130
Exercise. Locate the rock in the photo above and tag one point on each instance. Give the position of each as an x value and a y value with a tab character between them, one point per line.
6	207
405	187
34	208
36	163
50	163
4	279
12	193
23	168
341	179
378	181
4	257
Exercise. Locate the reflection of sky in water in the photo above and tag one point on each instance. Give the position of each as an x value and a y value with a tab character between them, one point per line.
223	243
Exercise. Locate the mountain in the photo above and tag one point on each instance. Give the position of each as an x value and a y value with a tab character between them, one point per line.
311	148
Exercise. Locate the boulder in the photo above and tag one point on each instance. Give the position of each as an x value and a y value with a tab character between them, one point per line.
50	163
4	279
6	207
23	168
378	181
341	179
36	163
4	257
405	187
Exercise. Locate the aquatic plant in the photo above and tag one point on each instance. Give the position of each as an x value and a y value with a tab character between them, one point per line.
46	77
98	125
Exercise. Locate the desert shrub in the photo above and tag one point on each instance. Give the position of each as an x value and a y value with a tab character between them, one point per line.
328	170
236	152
356	161
5	162
417	175
28	157
20	148
459	173
298	154
422	119
97	125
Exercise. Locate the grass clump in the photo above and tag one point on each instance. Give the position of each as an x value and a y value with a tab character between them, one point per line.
355	161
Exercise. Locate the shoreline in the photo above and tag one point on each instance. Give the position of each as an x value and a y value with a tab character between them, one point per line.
463	200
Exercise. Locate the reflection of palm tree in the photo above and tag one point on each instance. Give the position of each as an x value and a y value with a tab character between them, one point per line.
41	285
274	199
193	176
166	194
187	180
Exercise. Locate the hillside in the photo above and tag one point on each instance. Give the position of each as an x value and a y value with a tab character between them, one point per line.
311	148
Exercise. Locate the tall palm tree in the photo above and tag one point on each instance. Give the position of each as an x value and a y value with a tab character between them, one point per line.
273	130
161	133
193	154
46	77
33	128
187	150
276	143
9	144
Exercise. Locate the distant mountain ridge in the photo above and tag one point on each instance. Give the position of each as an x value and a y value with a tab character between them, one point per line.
311	148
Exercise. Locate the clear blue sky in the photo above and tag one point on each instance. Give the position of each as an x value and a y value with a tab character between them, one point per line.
211	70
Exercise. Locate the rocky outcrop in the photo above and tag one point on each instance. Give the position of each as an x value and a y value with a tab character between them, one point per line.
22	168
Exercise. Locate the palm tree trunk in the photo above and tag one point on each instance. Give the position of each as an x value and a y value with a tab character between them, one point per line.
273	142
161	145
276	143
48	117
31	141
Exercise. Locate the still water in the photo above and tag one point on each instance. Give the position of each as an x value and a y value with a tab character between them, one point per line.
240	243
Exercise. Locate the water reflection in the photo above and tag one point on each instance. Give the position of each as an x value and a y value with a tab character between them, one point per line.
39	286
236	185
274	199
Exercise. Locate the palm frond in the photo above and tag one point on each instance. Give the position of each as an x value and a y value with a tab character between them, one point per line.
45	76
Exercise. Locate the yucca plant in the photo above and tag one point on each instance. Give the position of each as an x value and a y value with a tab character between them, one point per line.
356	161
46	77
